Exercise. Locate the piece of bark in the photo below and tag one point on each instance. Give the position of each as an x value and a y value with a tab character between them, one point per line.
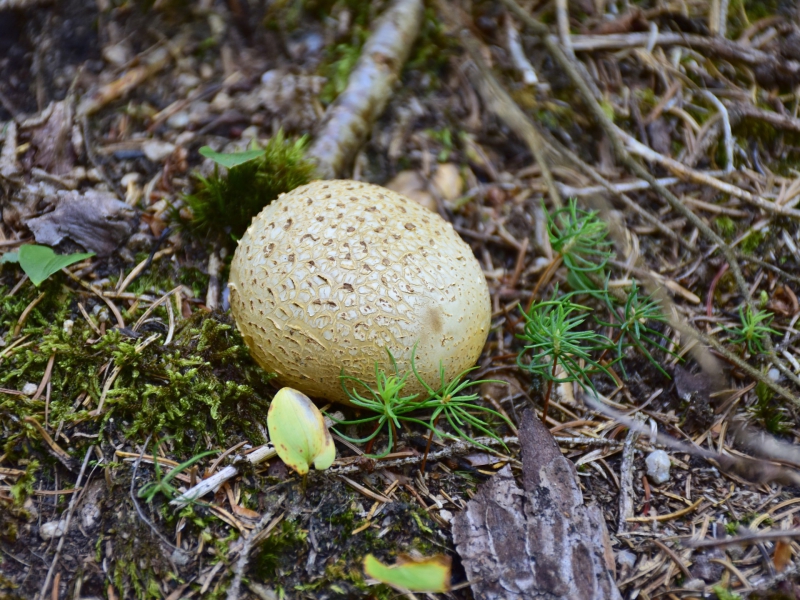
538	542
348	121
52	138
94	220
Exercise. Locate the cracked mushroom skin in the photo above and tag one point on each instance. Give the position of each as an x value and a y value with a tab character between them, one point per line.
334	273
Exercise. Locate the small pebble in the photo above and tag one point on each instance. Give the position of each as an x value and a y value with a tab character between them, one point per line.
658	466
29	389
774	374
179	120
52	529
626	559
156	150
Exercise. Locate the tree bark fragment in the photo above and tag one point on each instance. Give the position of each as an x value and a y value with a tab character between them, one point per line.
540	541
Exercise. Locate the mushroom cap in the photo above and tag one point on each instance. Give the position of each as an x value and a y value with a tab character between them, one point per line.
334	273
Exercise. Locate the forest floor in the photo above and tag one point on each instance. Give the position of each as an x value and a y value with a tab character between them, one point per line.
128	363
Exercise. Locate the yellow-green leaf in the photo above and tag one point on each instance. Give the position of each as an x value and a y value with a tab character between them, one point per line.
297	430
409	574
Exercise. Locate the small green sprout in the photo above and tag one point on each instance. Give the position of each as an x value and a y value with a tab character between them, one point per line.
754	329
580	239
634	329
771	413
297	429
162	483
554	337
225	204
387	405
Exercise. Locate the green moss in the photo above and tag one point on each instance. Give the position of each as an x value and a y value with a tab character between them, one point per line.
726	227
204	382
224	205
752	242
23	488
281	549
433	48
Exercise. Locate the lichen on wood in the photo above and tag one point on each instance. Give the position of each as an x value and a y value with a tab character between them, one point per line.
348	121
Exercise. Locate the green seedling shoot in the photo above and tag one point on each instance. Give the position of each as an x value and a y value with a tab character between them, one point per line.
754	329
388	406
297	430
555	337
162	484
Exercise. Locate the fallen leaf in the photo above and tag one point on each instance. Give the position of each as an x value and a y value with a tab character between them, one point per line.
297	430
96	220
431	574
782	555
233	159
39	262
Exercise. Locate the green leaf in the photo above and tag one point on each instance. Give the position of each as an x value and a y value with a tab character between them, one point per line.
430	574
297	430
39	262
231	159
9	257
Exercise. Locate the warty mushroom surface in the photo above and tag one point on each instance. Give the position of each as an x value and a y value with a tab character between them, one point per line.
335	273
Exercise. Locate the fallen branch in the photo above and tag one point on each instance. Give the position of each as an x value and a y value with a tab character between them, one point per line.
348	121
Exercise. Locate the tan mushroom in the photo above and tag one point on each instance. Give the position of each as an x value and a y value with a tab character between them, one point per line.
334	273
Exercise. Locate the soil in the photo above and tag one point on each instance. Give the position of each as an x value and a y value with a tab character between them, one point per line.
95	412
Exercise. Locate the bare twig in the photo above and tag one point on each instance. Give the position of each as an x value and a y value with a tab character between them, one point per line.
70	511
500	103
517	54
247	547
348	121
763	536
217	479
726	128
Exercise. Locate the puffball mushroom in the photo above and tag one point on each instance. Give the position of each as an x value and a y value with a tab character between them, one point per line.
335	273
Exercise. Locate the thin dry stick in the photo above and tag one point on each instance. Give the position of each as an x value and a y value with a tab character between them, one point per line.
501	104
726	128
70	510
247	547
562	18
626	480
763	536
